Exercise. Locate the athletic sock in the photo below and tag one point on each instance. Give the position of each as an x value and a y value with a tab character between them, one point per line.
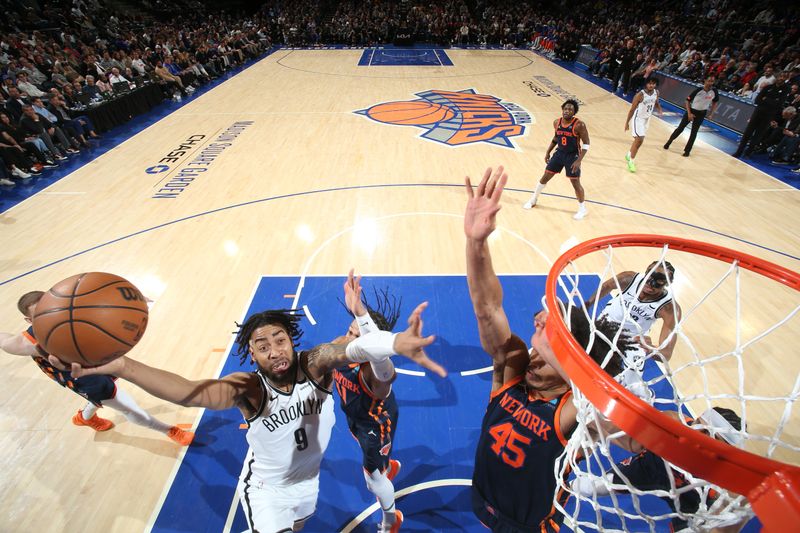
379	485
539	188
89	411
125	404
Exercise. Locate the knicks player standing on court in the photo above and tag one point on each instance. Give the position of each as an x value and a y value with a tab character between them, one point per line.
369	403
643	299
639	117
571	142
100	390
530	414
286	402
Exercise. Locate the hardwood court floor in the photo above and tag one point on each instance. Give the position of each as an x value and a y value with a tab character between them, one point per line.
307	186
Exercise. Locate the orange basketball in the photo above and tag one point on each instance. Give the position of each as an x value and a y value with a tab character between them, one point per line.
90	318
415	112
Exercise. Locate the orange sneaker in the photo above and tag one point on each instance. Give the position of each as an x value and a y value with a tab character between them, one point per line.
394	469
184	438
96	423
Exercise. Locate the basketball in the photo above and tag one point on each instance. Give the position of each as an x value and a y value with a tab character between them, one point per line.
90	318
416	112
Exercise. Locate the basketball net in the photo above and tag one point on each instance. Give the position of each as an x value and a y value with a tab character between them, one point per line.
735	349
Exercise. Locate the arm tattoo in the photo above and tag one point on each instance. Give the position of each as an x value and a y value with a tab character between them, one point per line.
326	357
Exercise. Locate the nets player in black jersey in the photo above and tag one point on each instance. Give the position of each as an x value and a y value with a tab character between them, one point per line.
368	401
530	415
571	141
649	472
99	390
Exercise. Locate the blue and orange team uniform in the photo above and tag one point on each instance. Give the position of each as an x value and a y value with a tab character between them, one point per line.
94	388
513	483
567	149
372	421
648	471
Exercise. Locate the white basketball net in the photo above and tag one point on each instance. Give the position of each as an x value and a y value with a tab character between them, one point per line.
734	326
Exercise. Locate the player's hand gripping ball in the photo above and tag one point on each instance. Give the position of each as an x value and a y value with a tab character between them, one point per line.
90	318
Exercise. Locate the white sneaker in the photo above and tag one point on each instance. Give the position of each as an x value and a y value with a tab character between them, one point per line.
4	181
530	203
19	173
581	214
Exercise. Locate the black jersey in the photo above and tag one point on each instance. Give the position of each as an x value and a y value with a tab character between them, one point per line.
566	138
372	421
648	471
519	444
95	388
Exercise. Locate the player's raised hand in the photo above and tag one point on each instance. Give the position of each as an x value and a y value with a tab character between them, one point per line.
352	294
483	204
410	343
112	368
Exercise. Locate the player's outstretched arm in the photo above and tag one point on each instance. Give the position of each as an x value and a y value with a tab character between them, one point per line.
485	290
670	316
17	344
231	391
620	281
377	345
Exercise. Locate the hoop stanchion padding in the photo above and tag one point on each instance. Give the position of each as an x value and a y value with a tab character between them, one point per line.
772	487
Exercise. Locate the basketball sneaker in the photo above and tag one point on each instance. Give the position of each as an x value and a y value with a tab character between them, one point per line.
392	528
394	469
530	203
182	437
581	214
96	423
631	165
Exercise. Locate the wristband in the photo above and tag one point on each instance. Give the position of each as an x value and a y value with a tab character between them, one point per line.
366	324
373	347
585	147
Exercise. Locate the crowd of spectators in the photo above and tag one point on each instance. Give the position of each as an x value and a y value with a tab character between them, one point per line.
57	58
60	59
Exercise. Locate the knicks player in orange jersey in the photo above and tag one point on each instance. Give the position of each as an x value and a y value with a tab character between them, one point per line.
368	401
530	414
571	141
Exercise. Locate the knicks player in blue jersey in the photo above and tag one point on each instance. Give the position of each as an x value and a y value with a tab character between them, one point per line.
530	414
368	401
100	390
571	141
650	473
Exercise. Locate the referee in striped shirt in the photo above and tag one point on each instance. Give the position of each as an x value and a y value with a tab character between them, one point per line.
697	105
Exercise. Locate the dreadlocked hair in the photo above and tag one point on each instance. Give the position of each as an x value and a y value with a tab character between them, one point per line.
287	319
604	336
386	310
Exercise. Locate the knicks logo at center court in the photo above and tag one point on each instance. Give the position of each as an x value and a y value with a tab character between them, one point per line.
456	118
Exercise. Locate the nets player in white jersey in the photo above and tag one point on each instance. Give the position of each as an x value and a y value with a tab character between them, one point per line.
643	298
286	402
639	117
